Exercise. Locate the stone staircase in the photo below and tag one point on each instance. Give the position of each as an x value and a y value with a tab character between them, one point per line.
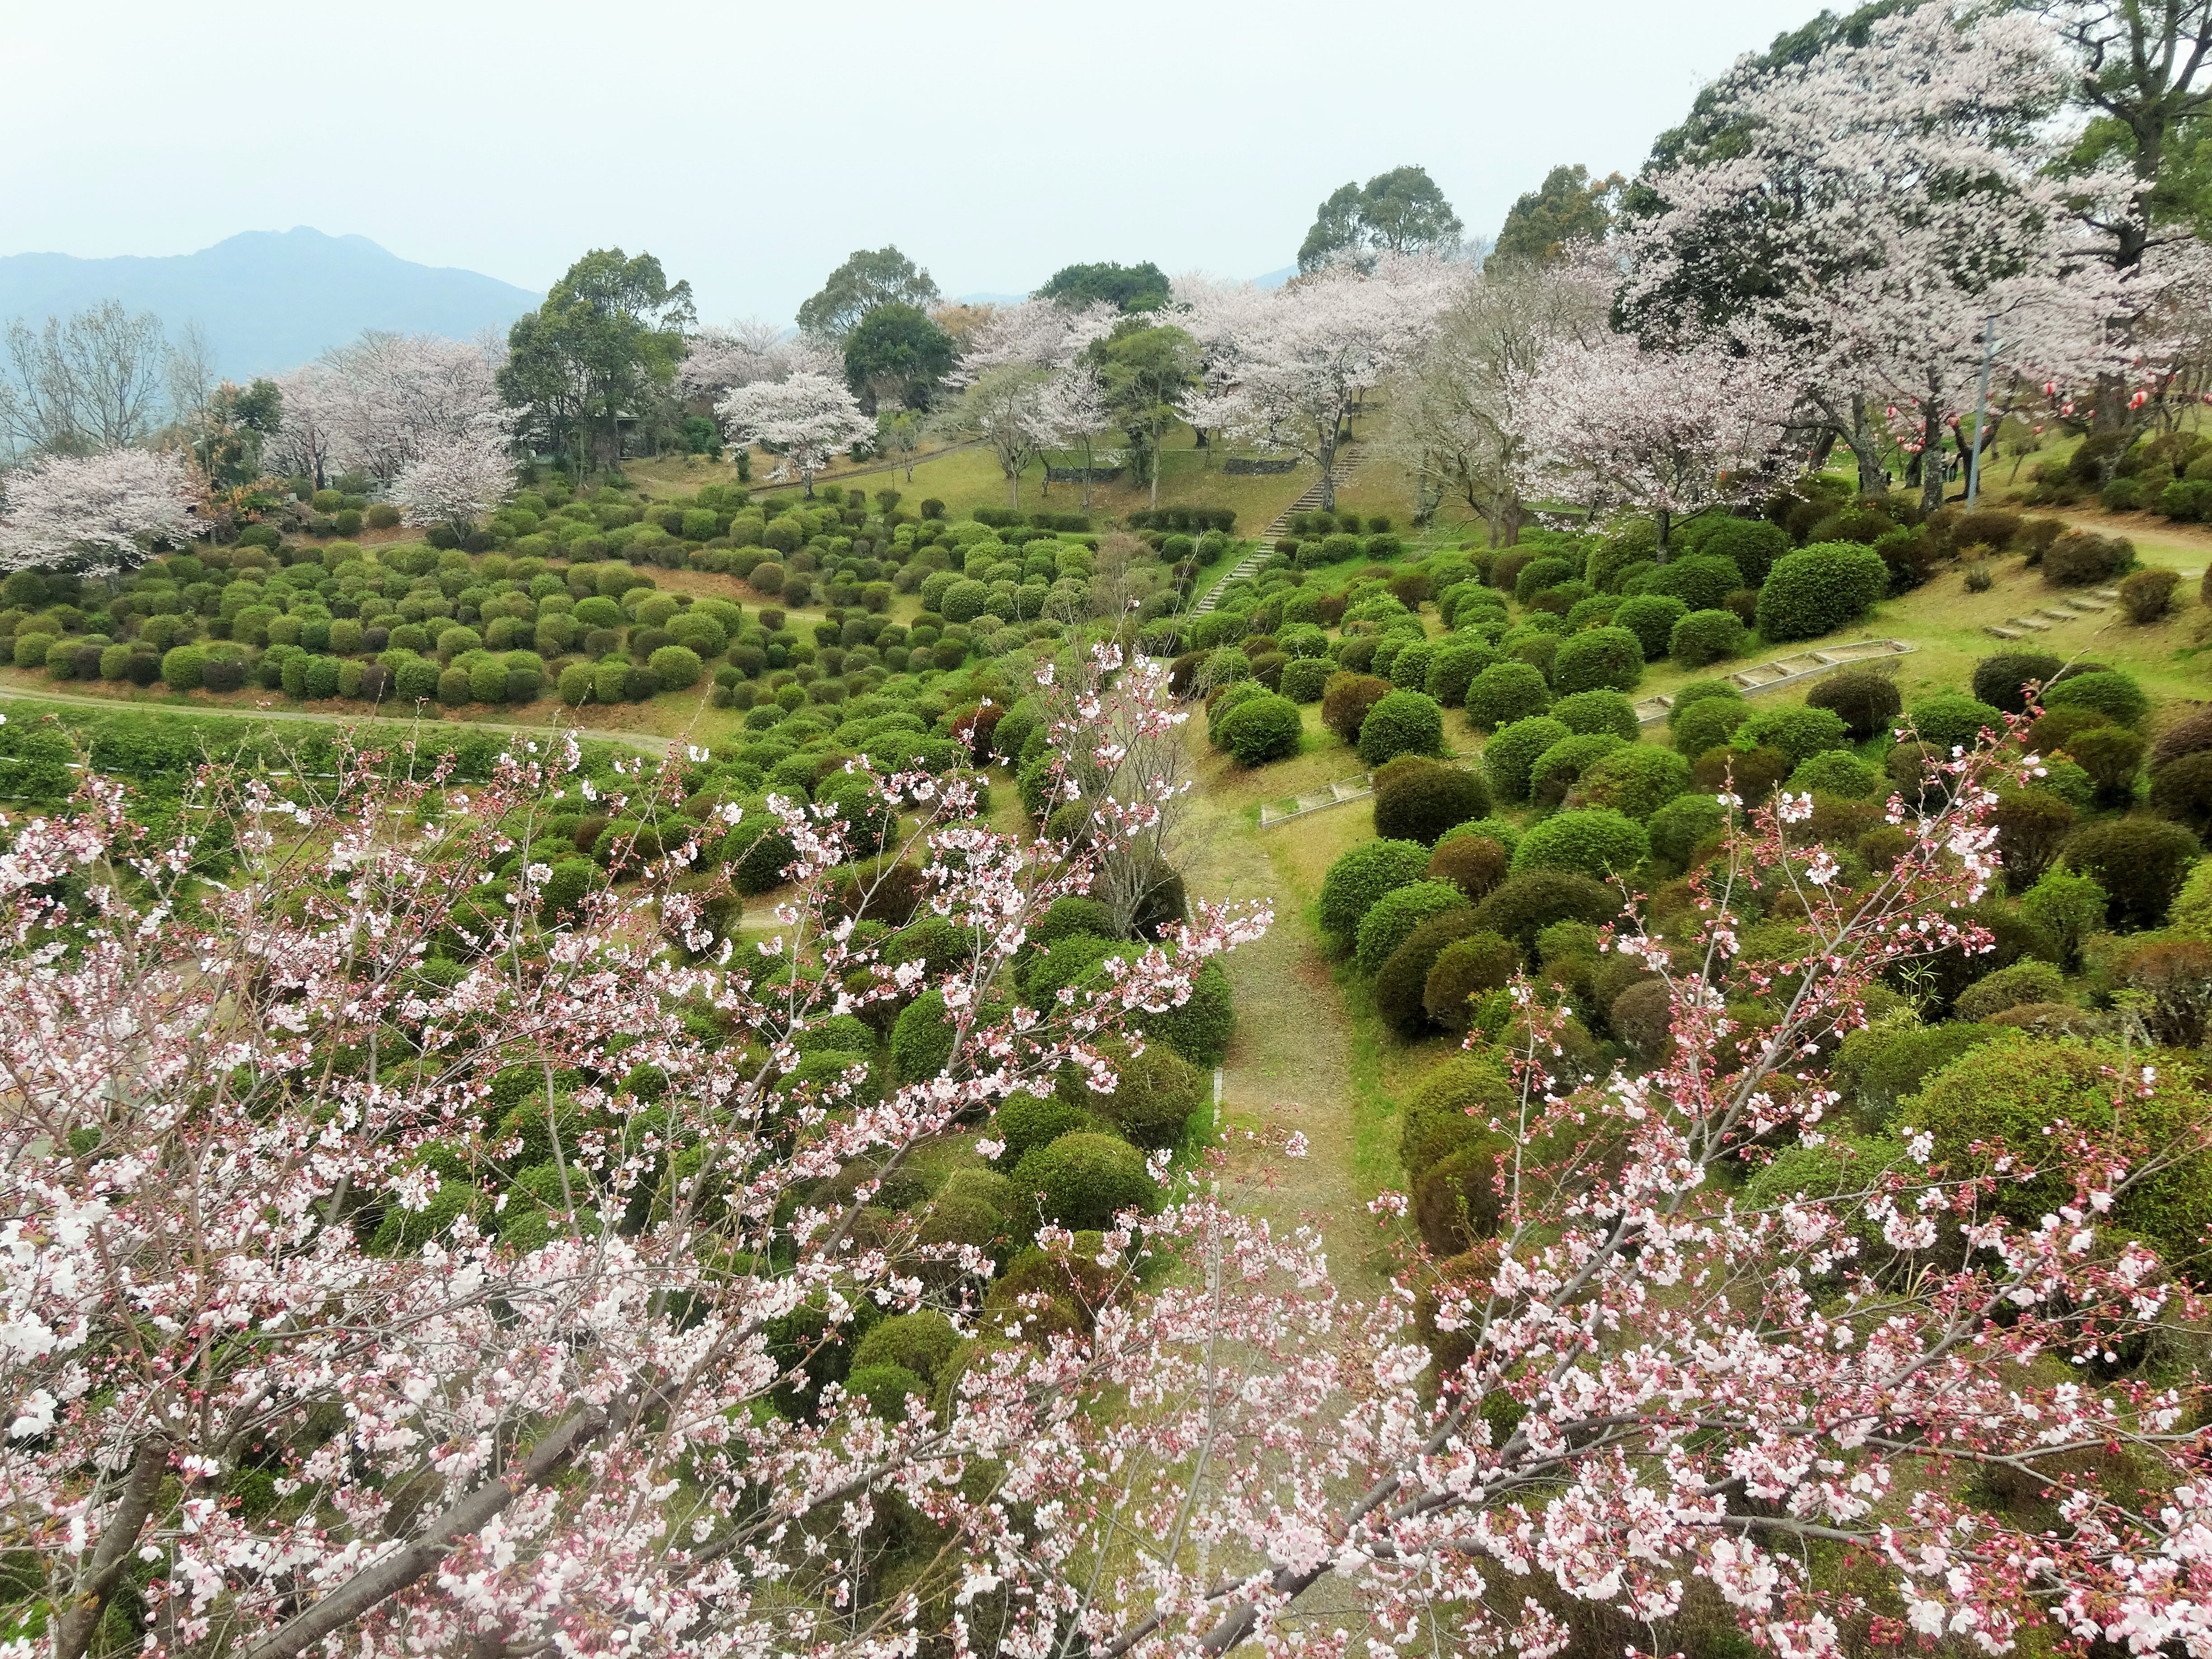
1263	548
2069	608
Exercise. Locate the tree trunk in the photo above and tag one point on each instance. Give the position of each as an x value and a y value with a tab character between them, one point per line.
1014	488
87	1597
1666	527
1866	450
1328	470
1931	456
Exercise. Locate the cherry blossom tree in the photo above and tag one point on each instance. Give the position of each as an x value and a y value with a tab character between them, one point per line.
266	1232
381	402
1869	208
456	481
1009	410
1071	412
1610	424
1459	409
1310	351
105	512
1038	334
721	360
304	442
805	419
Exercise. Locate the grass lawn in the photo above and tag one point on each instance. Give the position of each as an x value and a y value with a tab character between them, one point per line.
969	478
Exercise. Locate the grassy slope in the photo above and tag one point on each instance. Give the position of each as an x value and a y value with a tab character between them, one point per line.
970	478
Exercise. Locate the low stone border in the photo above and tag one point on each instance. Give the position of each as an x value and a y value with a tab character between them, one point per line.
1787	671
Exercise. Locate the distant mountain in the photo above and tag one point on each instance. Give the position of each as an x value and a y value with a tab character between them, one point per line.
268	298
1275	278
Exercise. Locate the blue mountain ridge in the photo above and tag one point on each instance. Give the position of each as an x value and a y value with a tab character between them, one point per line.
269	299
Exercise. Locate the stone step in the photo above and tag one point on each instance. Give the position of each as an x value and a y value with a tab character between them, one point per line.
2002	632
2029	621
2086	607
2052	614
2107	592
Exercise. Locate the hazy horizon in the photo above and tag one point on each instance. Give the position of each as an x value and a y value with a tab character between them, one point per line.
993	145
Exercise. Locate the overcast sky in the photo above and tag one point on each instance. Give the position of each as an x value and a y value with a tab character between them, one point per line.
752	147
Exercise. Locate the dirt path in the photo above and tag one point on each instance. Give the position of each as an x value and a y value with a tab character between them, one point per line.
1290	1067
644	740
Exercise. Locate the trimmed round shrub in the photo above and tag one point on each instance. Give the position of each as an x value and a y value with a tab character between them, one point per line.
2140	862
1865	699
1403	723
2009	987
1684	824
1505	692
1560	767
1474	864
1751	544
1879	1066
1595	841
1799	733
1303	677
1410	667
1155	1093
1402	981
1200	1028
1636	780
1651	618
1601	657
2191	735
921	1039
1450	1108
1818	589
2003	1095
1497	829
1361	876
1705	636
1752	774
1419	803
2111	758
1999	677
2109	692
1024	1123
1950	720
1697	691
1835	772
1456	664
1530	901
1541	572
676	666
1082	1181
1470	966
2183	791
1512	752
1264	728
1699	581
181	667
922	1342
1599	711
1393	918
1346	700
1707	724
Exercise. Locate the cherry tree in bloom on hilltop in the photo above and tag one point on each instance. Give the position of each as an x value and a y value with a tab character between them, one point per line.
1609	423
455	480
1302	360
1868	210
719	360
805	419
104	511
1038	334
381	402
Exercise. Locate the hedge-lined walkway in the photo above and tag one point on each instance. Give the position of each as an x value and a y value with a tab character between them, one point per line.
1289	1069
